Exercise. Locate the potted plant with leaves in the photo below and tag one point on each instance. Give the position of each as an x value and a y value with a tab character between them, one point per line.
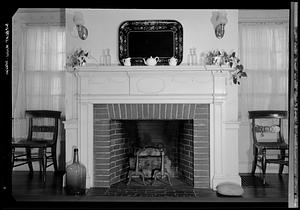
217	57
77	58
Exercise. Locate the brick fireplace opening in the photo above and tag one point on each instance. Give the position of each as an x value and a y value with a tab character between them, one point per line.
183	129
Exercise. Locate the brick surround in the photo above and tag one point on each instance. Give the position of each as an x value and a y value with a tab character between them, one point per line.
110	160
186	153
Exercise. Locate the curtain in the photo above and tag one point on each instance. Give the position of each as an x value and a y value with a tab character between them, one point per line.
263	50
38	77
18	76
44	66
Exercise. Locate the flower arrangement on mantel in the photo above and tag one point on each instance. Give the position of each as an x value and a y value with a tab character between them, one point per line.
77	58
220	57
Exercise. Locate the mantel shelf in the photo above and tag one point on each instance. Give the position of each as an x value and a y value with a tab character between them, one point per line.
182	67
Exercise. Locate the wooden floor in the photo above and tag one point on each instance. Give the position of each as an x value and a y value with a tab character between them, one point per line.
26	188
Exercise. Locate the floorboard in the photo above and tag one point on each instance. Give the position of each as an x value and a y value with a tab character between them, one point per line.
29	188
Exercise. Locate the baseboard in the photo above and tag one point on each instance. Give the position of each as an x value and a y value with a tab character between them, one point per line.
245	167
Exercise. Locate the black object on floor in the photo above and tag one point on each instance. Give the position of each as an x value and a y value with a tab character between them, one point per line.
253	181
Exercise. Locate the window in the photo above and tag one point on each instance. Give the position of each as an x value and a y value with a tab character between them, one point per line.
264	53
44	67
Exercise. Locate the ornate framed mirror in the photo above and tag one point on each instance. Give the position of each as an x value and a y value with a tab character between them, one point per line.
144	38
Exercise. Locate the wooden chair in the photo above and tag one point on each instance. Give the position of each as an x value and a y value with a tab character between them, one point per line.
266	130
42	134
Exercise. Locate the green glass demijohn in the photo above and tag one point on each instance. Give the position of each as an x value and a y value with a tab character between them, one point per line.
76	176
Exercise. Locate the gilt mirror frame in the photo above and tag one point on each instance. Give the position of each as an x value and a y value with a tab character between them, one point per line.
172	46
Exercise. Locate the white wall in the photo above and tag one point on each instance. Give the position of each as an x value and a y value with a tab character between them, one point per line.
103	25
263	15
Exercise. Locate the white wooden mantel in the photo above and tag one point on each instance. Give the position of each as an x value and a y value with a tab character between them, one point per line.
94	84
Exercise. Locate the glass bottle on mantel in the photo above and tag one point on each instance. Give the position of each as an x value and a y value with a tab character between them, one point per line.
102	58
194	57
108	58
189	57
76	176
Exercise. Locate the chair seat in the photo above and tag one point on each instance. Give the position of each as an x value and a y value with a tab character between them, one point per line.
31	144
285	162
271	145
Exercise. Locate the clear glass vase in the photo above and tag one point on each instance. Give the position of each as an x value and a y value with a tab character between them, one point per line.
76	176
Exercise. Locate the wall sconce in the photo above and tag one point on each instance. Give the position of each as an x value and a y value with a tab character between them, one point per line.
219	21
79	23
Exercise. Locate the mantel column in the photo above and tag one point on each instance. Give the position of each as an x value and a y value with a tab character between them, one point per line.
85	141
224	162
217	141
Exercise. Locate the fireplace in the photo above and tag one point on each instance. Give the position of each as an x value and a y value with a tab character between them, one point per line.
106	98
117	126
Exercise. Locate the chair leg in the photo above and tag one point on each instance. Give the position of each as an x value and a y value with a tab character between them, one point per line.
129	177
28	154
41	160
282	157
254	162
13	158
53	153
41	166
44	164
263	165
